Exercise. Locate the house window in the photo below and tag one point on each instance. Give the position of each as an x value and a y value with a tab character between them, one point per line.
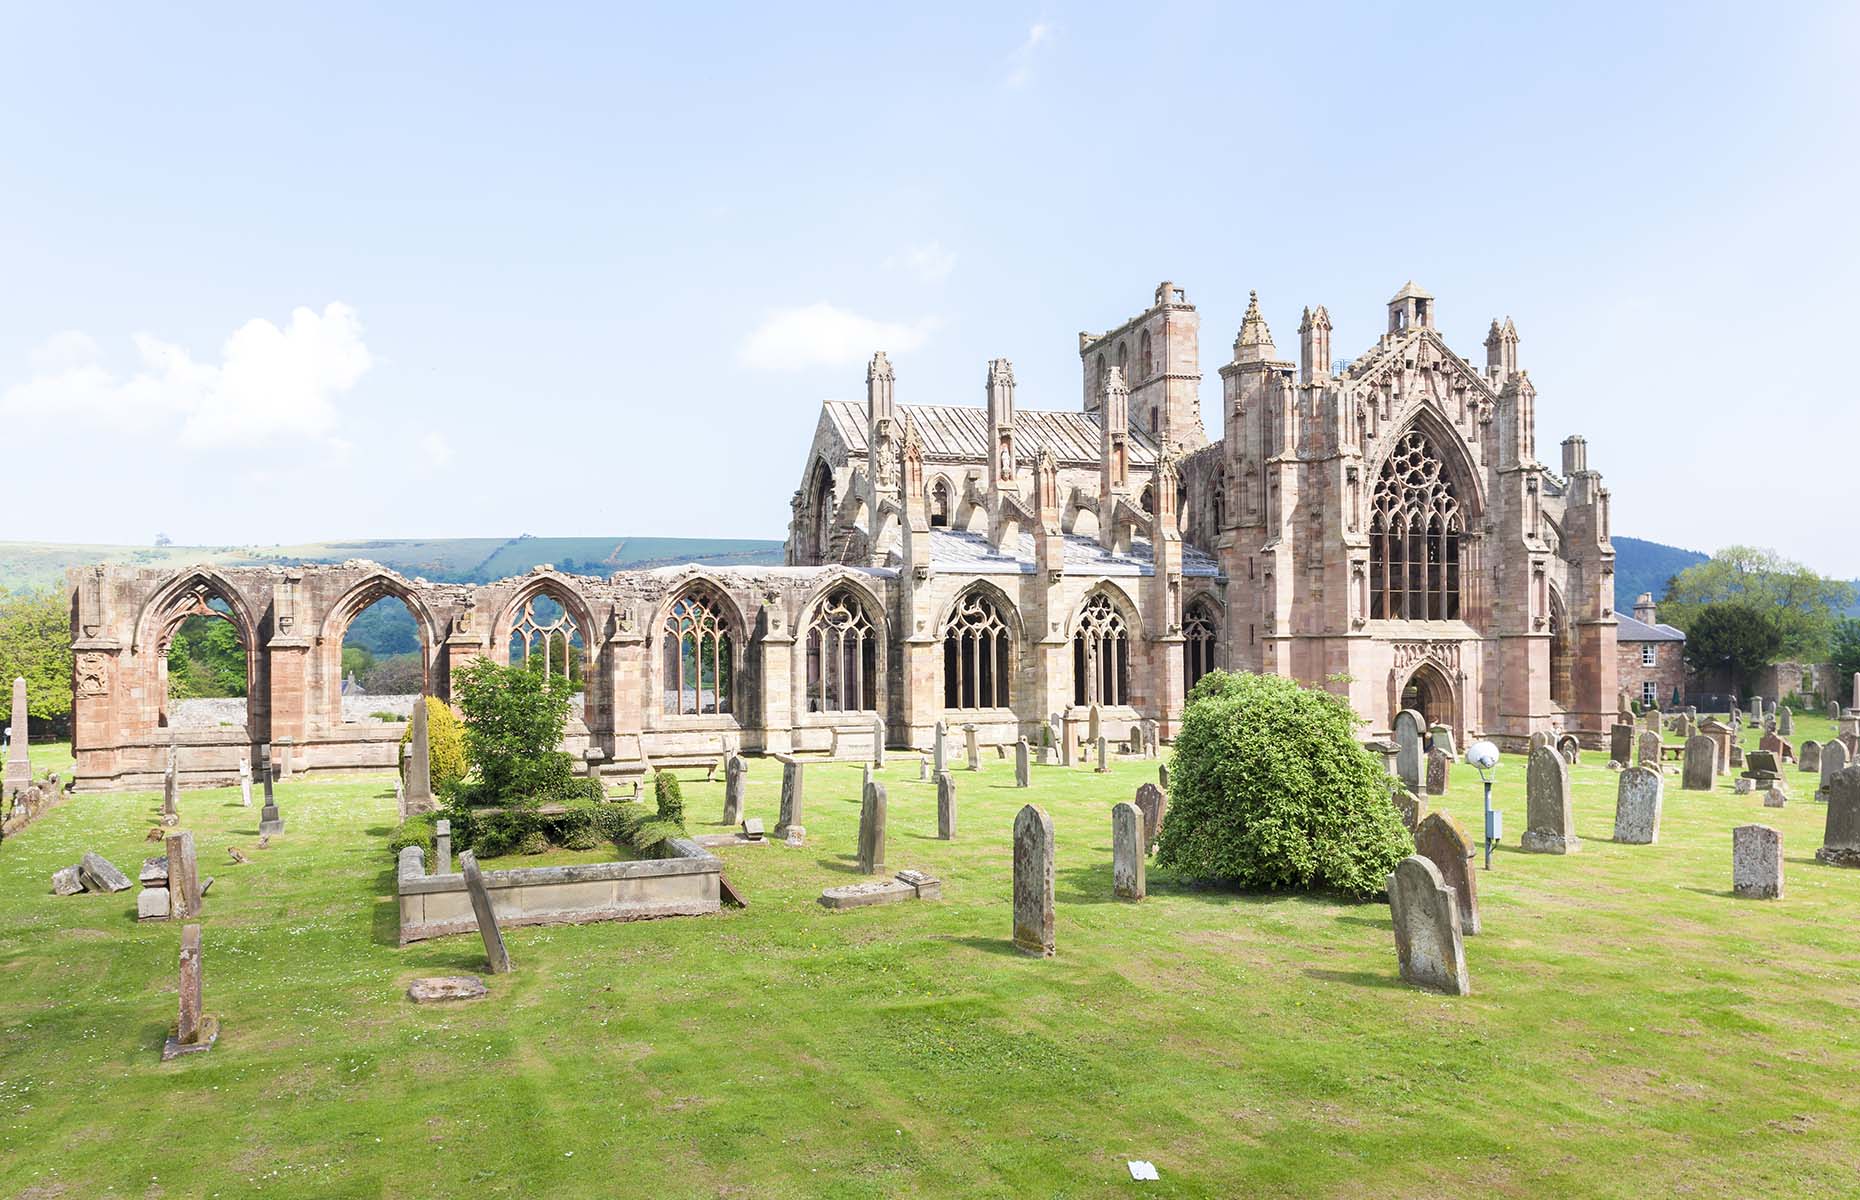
842	657
1100	655
1648	657
1649	696
975	655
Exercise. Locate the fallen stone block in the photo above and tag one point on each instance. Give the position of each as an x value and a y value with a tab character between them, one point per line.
101	875
67	881
440	989
154	872
153	904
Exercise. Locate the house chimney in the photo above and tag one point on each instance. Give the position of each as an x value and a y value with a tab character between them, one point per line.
1644	611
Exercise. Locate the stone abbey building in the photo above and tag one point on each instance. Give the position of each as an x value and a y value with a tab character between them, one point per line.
1381	528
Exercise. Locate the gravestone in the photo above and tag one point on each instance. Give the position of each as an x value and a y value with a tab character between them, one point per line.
878	742
1570	749
735	784
1639	794
194	1031
946	807
872	830
939	750
1776	797
1153	803
1701	764
1427	928
1840	839
923	768
1033	882
419	761
245	783
1757	862
18	774
1543	739
67	881
1046	744
1621	744
400	800
1763	770
442	847
1552	828
1785	721
1103	763
101	875
1023	764
1442	841
495	952
791	797
1094	725
1834	710
1442	738
1651	719
865	777
1647	751
1411	807
1409	725
1162	776
1439	770
1721	735
973	746
1809	761
183	876
284	745
171	792
1127	851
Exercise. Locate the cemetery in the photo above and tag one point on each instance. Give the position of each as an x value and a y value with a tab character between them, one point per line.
355	1007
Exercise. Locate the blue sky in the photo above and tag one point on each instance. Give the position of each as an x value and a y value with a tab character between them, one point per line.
269	276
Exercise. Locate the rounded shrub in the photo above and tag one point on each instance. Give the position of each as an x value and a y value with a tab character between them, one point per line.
1270	790
445	743
671	799
534	842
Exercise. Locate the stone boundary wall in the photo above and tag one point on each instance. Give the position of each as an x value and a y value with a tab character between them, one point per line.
684	885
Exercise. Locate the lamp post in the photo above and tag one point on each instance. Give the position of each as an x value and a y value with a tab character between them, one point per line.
1483	756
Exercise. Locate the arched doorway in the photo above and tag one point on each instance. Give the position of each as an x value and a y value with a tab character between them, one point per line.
1428	693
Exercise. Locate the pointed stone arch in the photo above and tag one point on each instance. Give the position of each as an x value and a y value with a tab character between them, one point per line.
379	584
1428	689
982	635
843	648
698	645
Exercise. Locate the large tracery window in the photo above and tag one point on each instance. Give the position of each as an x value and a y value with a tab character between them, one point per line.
699	668
842	656
1101	655
546	639
1414	537
1199	631
976	654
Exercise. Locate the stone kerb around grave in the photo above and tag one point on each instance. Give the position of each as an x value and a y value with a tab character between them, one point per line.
683	885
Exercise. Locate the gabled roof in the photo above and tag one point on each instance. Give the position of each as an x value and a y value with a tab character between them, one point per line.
961	432
972	553
1631	630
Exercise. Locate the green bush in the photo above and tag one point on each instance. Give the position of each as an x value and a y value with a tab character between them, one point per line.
416	830
513	723
671	800
1271	790
534	842
445	744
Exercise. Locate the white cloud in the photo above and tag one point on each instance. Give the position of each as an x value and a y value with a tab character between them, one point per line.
821	335
1021	62
929	262
270	383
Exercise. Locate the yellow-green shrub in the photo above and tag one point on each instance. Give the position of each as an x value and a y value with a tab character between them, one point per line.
445	743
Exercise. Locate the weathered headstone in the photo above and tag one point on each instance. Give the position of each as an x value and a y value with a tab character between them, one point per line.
939	750
1809	760
68	881
872	830
1639	794
1651	718
18	774
440	989
1162	776
1411	807
1543	739
183	875
245	783
1153	803
1570	749
1103	761
1721	736
923	768
1647	750
1763	769
1834	710
1776	797
420	762
1757	862
1427	927
1046	744
1785	721
1094	725
1701	764
442	847
792	782
1840	839
1033	882
972	746
171	792
1442	841
946	807
878	742
1621	744
735	784
1127	852
194	1031
1023	766
1441	737
1439	771
1409	726
495	952
1547	807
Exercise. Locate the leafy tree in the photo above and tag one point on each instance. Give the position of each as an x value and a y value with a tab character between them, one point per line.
35	644
358	660
1272	790
513	723
205	659
396	675
1736	638
1797	603
1844	652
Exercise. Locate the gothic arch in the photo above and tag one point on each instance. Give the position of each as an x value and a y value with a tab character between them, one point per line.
1427	689
684	606
375	586
1103	631
1204	624
1125	603
1562	652
822	683
819	512
982	643
1449	447
558	587
168	605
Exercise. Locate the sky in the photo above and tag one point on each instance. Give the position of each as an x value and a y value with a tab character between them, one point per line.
297	273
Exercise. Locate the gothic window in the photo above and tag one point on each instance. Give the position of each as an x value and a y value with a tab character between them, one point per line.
545	638
1198	633
700	671
823	514
1414	537
976	654
842	656
939	504
1148	363
1100	655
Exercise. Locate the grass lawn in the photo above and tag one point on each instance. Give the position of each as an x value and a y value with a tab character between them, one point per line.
1634	1030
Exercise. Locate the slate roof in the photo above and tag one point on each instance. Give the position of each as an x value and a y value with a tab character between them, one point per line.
961	432
972	553
1631	630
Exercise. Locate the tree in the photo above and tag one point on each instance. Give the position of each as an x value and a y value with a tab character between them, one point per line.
1845	655
35	645
1272	790
205	659
1797	603
1736	638
513	723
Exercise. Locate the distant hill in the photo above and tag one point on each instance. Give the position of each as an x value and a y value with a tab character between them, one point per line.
32	565
1646	567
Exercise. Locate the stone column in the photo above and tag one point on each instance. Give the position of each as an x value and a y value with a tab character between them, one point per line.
777	682
18	776
1033	882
